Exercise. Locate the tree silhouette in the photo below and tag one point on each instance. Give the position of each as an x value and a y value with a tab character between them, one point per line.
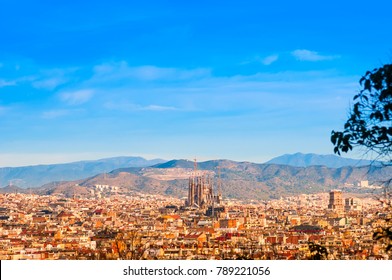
370	126
384	234
369	123
317	252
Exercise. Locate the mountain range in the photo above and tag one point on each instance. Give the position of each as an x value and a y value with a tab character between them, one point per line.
241	180
38	175
305	160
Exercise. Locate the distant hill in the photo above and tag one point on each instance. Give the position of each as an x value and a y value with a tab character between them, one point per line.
205	165
12	189
305	160
182	163
38	175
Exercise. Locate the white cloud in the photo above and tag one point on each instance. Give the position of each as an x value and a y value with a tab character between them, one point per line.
136	107
52	78
158	108
77	97
121	70
270	59
50	83
53	114
4	83
307	55
44	79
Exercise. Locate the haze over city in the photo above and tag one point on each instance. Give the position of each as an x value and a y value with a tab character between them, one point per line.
239	80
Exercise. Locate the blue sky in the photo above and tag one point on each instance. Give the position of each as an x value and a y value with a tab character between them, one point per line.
242	80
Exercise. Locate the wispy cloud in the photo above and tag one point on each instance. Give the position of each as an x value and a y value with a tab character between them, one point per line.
4	83
267	60
307	55
121	70
52	78
156	73
50	83
47	79
270	59
136	107
77	97
53	114
158	108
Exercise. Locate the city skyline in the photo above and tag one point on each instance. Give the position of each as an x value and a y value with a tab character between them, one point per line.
246	82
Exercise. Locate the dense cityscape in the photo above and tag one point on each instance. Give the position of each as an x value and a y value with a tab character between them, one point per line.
112	224
241	85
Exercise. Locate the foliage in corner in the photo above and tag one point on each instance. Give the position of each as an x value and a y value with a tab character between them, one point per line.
370	126
370	121
317	252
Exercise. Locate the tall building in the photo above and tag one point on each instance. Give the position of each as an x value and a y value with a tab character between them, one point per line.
352	204
200	192
336	201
